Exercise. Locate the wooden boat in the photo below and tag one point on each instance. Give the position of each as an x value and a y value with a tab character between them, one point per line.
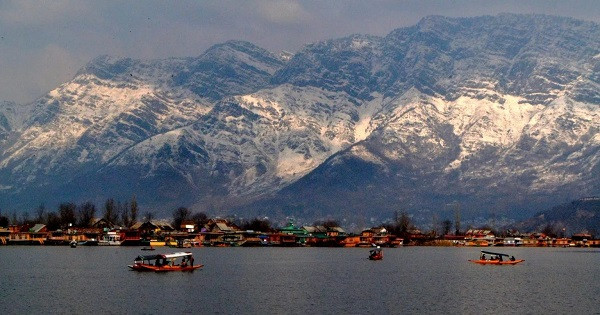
496	259
376	254
181	261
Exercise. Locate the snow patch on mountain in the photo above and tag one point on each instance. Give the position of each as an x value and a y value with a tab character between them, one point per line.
366	112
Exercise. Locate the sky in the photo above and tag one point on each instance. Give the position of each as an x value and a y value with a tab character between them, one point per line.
44	43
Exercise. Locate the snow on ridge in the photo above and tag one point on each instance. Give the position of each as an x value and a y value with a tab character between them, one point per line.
292	165
366	112
244	57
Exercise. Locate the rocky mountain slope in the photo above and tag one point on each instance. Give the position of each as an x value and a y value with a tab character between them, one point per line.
497	113
578	216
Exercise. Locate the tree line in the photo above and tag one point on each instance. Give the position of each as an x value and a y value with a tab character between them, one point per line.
82	215
127	214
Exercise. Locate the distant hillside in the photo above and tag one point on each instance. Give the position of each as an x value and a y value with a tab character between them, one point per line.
578	216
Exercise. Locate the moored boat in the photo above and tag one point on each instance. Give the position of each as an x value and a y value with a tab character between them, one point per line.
111	238
181	261
496	259
90	242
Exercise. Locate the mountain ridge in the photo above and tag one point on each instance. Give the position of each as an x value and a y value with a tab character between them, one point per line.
493	110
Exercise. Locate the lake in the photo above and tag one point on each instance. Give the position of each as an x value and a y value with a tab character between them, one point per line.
409	280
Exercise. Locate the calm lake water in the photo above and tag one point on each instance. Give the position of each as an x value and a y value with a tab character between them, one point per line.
409	280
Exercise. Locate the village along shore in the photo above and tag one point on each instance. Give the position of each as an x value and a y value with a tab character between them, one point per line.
224	233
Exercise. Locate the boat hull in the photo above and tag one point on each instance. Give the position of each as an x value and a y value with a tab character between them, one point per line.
146	267
497	262
376	257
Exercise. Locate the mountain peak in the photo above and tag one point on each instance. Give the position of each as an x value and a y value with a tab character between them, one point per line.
107	67
235	50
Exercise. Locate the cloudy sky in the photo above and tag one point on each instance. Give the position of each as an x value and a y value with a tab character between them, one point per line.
44	43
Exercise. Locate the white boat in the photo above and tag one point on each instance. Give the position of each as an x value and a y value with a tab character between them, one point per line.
110	238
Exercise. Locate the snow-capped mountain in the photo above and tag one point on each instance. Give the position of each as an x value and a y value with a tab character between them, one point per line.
497	113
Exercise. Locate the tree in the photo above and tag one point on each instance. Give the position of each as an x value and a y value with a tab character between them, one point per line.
457	218
66	212
404	223
148	216
25	218
200	219
549	230
435	225
14	220
133	211
180	215
327	223
125	218
87	213
261	225
41	213
446	226
3	221
110	212
52	221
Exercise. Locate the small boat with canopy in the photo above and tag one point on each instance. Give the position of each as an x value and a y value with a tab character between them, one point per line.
376	254
496	259
181	261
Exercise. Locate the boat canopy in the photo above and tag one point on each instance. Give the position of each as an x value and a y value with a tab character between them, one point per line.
163	256
176	255
492	253
148	257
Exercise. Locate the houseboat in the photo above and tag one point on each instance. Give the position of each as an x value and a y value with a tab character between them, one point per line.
110	238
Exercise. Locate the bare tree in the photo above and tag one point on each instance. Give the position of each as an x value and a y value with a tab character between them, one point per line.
200	219
14	220
134	210
125	218
66	211
87	213
180	215
41	214
25	218
404	223
446	226
148	216
110	211
457	218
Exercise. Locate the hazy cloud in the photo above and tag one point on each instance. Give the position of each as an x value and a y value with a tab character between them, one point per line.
25	13
283	12
44	43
